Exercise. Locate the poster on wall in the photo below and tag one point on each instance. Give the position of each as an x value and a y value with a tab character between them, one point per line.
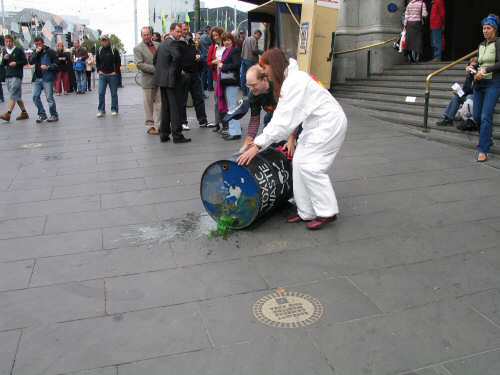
303	37
335	4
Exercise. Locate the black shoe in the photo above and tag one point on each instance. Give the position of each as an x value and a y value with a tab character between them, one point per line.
232	137
204	125
444	122
182	140
40	119
211	125
164	138
53	119
216	129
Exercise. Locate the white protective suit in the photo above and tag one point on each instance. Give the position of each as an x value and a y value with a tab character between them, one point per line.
324	126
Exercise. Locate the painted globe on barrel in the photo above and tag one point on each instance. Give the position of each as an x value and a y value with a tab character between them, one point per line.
239	195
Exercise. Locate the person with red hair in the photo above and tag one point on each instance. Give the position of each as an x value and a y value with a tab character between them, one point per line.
304	101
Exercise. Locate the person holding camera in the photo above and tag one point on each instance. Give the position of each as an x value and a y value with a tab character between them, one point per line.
14	60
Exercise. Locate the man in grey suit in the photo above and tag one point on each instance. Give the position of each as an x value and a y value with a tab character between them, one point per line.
144	54
168	78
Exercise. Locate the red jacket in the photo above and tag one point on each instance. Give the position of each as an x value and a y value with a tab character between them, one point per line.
211	57
438	15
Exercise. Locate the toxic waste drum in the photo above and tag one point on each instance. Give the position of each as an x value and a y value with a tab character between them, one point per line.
243	194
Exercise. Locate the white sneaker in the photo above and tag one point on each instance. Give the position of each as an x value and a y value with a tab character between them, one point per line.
185	127
114	113
100	114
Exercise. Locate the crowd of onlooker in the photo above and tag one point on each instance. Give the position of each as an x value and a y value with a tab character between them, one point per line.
182	64
63	71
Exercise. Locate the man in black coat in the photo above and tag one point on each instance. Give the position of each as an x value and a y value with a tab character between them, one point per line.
167	77
191	79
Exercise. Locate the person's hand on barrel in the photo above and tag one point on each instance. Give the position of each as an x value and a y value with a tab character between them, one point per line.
247	157
246	144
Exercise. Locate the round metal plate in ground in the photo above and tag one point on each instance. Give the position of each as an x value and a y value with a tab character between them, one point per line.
284	309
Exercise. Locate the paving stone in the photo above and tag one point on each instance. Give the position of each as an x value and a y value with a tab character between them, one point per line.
99	188
183	179
481	364
38	306
15	275
294	355
101	371
11	197
101	342
49	207
388	344
21	227
487	303
50	245
95	265
405	286
230	320
182	285
72	222
134	198
90	168
8	345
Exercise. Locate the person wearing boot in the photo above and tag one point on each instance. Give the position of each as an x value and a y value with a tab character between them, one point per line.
14	59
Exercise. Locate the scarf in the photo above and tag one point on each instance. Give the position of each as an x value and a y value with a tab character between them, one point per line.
219	89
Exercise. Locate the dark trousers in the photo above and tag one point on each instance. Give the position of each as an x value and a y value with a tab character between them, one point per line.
89	80
206	77
191	83
170	112
1	93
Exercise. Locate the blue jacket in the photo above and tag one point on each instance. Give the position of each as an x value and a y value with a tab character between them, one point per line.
45	57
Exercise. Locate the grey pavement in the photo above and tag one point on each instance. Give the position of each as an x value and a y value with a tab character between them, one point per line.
106	266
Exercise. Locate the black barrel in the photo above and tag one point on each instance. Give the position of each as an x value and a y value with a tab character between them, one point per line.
244	194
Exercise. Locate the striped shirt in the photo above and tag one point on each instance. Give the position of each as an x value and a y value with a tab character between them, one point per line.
415	10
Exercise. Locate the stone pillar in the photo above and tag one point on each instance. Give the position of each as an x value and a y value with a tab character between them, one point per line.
364	22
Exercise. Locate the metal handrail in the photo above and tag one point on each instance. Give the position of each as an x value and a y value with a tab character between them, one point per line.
434	74
379	44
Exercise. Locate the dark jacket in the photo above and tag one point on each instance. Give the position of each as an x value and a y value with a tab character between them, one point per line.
233	64
19	57
108	60
495	69
188	56
81	53
205	43
64	63
168	63
46	56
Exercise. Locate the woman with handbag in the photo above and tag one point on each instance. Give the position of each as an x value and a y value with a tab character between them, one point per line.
416	11
228	84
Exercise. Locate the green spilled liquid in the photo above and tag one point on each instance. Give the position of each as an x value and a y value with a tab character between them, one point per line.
225	226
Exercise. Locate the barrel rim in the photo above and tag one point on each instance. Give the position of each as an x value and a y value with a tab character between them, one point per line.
256	214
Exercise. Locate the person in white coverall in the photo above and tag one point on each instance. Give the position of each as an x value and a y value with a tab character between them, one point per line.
324	126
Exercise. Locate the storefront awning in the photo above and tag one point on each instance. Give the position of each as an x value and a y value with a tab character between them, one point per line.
261	2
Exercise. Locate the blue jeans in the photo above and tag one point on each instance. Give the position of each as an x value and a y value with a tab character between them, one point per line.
112	81
232	93
245	65
453	108
48	88
206	77
437	43
486	94
81	81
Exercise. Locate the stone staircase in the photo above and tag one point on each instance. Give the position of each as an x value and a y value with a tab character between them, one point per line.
383	96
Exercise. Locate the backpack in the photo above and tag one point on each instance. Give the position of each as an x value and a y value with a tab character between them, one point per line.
466	110
79	66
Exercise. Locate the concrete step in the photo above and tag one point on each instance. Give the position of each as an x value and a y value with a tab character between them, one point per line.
415	78
424	73
436	103
444	86
429	66
399	91
406	109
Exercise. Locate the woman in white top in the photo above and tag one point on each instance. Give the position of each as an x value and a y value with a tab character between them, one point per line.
304	101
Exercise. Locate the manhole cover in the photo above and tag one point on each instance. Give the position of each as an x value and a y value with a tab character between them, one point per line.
284	309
